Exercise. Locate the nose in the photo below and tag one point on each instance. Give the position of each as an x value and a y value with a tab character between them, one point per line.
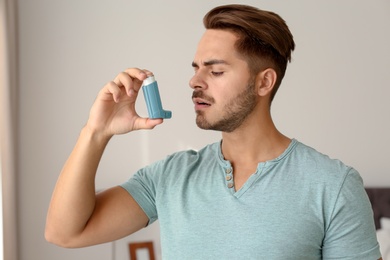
197	82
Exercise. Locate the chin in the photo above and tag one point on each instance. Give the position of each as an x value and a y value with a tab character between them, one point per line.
202	123
221	126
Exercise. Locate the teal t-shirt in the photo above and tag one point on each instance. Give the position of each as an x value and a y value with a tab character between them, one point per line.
301	205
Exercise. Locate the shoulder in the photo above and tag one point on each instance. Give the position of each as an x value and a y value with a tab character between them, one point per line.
182	160
192	156
315	169
320	163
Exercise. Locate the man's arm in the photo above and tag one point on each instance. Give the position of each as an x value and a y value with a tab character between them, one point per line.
77	216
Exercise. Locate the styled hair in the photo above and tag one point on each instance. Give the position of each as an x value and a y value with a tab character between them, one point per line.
264	39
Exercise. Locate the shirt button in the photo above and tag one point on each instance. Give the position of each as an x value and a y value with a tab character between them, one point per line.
228	170
230	185
228	177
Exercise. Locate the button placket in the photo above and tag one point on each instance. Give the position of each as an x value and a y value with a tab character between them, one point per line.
229	177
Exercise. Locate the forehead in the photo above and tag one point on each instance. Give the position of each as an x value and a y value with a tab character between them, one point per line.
217	44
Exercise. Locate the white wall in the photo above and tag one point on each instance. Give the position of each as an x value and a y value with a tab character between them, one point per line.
334	97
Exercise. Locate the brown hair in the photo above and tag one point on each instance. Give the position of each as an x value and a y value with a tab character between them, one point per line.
263	37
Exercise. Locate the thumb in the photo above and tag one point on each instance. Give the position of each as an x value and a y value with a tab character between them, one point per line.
148	123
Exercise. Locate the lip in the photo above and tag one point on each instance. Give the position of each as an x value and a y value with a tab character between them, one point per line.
200	103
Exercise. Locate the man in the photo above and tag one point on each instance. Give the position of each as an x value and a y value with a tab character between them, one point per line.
256	194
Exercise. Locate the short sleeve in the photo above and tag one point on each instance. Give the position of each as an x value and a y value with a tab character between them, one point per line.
142	187
351	231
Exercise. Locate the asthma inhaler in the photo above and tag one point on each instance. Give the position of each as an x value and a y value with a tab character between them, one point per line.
153	100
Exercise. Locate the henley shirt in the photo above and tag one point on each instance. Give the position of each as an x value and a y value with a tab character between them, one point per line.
301	205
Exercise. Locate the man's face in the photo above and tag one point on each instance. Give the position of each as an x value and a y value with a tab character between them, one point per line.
224	93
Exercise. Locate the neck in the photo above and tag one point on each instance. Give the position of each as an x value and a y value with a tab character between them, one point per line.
256	140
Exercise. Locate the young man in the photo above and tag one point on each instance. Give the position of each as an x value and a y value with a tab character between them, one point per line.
256	194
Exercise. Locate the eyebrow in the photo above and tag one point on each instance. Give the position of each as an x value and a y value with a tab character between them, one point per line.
209	63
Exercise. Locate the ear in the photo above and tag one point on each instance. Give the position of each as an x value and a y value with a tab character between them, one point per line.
265	81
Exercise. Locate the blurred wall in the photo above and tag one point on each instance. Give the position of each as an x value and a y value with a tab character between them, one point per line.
334	96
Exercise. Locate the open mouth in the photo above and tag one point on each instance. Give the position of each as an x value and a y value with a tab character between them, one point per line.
201	102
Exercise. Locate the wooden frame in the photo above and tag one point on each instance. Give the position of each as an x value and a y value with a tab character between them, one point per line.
133	247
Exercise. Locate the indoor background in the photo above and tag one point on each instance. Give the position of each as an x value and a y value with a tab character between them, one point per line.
335	95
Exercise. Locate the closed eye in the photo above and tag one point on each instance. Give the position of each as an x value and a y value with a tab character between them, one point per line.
217	73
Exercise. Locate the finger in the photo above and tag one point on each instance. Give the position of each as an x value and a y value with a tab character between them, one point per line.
143	74
148	72
114	90
124	79
148	123
138	74
132	79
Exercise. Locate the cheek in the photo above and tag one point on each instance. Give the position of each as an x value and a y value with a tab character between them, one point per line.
232	87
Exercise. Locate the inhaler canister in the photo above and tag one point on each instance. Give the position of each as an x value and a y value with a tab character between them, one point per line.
153	99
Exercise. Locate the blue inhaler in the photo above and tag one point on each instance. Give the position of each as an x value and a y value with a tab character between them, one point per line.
153	100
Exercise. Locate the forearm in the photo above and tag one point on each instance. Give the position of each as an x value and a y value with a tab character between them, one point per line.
76	216
73	199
